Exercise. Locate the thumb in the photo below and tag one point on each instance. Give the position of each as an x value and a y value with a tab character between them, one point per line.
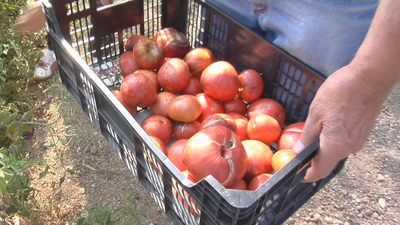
311	131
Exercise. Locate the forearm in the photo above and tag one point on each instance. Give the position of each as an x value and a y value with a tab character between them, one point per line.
379	55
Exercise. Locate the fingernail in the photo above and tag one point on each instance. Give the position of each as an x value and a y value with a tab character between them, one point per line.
298	147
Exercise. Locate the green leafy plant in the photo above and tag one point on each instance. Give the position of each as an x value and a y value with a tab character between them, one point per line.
98	215
129	210
103	215
15	190
18	56
17	52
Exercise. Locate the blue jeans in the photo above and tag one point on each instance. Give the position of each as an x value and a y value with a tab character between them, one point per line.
325	34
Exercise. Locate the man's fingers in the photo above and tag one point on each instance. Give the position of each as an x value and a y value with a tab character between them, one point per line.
311	131
298	147
321	166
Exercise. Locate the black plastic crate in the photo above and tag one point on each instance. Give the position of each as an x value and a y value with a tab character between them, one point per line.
84	37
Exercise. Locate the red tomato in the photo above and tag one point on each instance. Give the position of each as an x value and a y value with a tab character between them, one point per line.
138	90
198	59
268	107
239	185
241	123
160	105
281	158
175	43
132	40
160	144
290	135
131	109
218	152
184	108
127	63
193	88
264	128
148	54
258	180
259	156
174	75
184	130
175	153
220	80
235	105
153	77
189	176
251	85
158	126
209	105
219	119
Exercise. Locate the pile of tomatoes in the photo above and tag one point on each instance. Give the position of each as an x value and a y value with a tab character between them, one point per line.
214	120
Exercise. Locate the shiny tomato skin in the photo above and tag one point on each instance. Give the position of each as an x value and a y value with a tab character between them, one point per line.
218	152
220	80
138	90
267	106
251	85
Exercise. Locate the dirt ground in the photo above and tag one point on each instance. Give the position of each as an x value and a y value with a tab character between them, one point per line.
367	191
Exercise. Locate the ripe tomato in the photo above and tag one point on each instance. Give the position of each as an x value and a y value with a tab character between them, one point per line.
281	158
209	105
160	144
290	135
175	153
235	105
193	88
132	40
198	59
184	108
184	130
127	63
189	176
174	75
258	180
138	90
160	105
148	54
153	77
218	152
219	119
251	85
220	80
239	185
158	126
175	43
131	109
264	128
259	156
241	123
268	107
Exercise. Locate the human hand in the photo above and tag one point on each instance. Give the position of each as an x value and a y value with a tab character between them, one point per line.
342	114
32	19
105	2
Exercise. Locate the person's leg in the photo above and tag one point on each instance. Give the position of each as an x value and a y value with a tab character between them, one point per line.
47	65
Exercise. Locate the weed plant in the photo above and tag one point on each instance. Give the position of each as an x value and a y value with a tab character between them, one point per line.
18	54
